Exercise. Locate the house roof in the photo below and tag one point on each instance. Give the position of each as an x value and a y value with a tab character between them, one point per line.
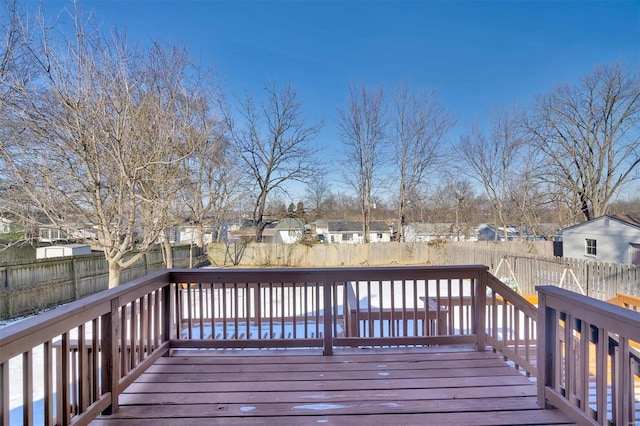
290	223
287	223
511	230
624	219
338	226
631	220
431	228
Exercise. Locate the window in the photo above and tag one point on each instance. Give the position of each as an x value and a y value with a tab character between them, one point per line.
591	247
635	254
347	237
379	236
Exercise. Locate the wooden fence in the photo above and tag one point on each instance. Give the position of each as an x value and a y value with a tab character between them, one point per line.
526	264
29	287
595	279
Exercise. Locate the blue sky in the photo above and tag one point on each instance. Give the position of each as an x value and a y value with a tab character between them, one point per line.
479	54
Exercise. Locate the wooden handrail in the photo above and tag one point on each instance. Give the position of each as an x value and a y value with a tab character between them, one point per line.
512	328
577	331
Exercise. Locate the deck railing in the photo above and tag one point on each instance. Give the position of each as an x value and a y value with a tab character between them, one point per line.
511	326
392	306
588	358
70	364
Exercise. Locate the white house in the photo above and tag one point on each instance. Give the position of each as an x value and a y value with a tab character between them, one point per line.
190	234
321	229
421	232
351	232
5	225
608	238
287	230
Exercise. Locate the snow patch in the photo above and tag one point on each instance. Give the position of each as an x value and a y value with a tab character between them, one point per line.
319	407
390	404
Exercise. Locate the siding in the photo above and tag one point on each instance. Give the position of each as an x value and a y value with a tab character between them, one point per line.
613	240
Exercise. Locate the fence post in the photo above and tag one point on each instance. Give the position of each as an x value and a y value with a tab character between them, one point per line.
76	280
5	305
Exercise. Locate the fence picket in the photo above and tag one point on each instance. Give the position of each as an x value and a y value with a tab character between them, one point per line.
29	287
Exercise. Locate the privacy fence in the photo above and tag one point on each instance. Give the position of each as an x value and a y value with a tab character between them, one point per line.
28	287
599	280
521	264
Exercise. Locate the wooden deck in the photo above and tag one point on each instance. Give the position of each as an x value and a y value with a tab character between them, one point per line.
455	386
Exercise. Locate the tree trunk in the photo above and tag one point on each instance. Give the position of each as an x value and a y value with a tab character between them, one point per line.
401	208
114	274
168	252
200	230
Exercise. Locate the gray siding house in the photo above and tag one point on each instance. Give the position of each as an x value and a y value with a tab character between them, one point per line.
351	232
608	238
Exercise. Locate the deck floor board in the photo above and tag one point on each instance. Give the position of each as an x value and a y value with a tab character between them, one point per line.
348	388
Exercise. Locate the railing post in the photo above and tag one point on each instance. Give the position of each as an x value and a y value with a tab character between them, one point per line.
167	312
328	317
546	332
623	390
481	310
109	369
257	311
4	394
352	326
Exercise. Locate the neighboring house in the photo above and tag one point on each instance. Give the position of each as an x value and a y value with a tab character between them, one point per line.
321	230
189	234
5	225
608	238
51	234
488	232
421	232
287	230
241	230
351	232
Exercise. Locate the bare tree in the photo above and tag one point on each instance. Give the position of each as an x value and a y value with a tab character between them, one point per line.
343	206
362	127
493	161
15	75
460	198
274	142
212	186
589	133
106	132
420	126
317	193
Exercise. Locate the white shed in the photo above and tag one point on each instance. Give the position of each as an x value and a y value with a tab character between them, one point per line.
608	238
62	250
